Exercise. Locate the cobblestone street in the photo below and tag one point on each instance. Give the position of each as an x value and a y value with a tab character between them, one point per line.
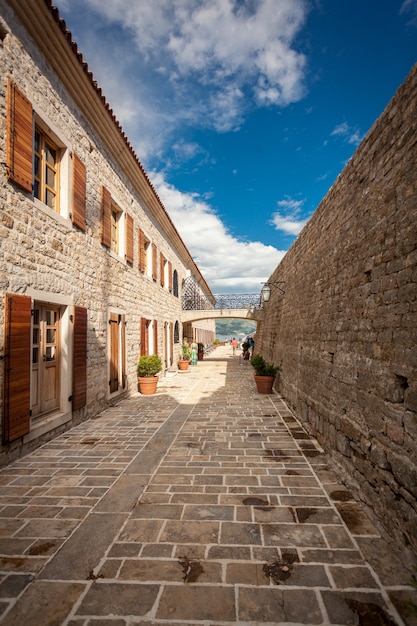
206	504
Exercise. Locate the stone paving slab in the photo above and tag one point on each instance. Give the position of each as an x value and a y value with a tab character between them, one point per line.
206	504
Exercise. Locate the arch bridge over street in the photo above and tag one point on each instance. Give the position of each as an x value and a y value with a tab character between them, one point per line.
242	306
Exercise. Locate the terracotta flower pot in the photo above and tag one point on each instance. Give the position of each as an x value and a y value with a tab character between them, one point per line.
200	355
147	386
264	384
183	364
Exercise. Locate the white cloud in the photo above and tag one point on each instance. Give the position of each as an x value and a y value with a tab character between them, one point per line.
287	219
348	133
410	7
208	54
227	264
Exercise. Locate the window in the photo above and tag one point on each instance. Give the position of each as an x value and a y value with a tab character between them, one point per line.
38	162
116	227
148	336
175	283
115	218
146	254
117	352
176	332
46	170
163	272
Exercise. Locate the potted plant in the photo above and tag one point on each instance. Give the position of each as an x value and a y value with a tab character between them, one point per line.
148	367
200	351
184	361
264	374
245	349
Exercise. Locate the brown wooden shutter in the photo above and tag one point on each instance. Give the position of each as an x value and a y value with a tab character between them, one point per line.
114	352
170	276
17	367
79	184
161	269
155	337
19	146
143	336
79	363
123	348
171	334
154	262
129	238
105	217
141	260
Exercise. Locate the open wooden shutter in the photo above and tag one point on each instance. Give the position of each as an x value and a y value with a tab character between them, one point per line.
114	352
105	217
162	269
129	239
19	146
79	363
170	276
143	336
154	262
123	349
17	367
171	337
78	192
141	260
155	337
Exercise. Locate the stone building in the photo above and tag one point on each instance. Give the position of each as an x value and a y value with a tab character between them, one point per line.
344	332
92	269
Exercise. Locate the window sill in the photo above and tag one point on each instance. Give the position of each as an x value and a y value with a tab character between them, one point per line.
52	214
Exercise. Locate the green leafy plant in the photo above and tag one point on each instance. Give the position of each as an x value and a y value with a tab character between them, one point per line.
216	342
149	365
245	346
200	347
262	368
186	352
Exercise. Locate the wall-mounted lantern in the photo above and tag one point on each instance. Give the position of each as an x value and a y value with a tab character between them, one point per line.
266	289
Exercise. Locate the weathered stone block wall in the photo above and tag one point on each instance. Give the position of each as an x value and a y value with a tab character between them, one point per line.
345	332
43	253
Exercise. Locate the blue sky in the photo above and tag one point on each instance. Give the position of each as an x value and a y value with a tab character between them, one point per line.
244	112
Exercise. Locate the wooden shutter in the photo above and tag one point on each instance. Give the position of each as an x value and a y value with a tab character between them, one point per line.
19	146
123	349
171	337
79	362
105	217
79	187
17	367
161	269
129	238
155	337
114	352
143	336
141	260
170	276
154	262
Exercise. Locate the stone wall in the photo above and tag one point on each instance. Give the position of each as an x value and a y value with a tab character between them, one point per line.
345	332
44	256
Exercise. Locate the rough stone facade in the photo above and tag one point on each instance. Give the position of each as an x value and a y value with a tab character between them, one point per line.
344	333
45	257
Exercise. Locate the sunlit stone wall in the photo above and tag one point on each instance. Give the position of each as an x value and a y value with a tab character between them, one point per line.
345	330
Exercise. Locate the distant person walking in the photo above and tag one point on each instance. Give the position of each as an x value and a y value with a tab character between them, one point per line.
234	345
